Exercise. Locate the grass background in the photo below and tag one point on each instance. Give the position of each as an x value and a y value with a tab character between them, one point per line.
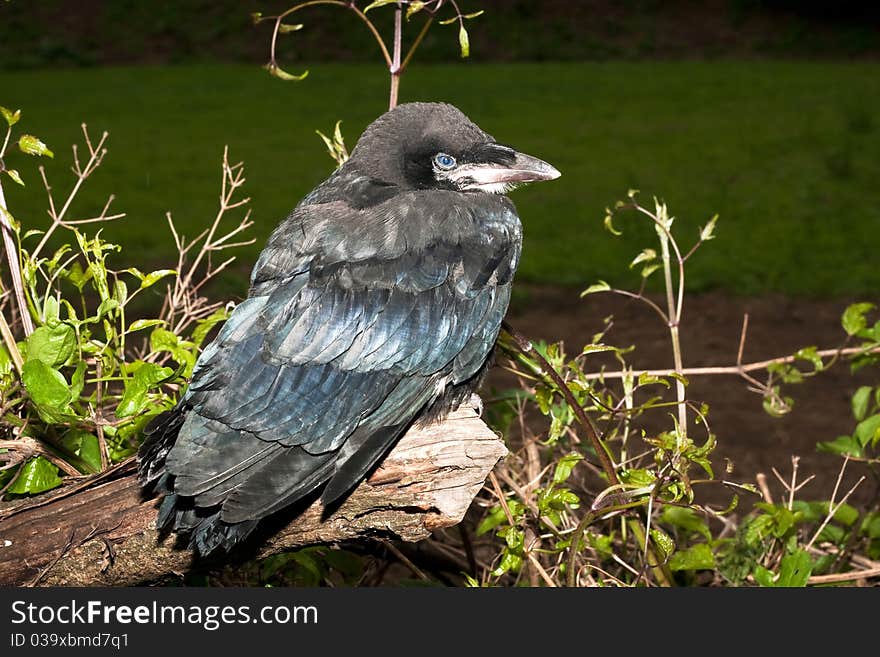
787	152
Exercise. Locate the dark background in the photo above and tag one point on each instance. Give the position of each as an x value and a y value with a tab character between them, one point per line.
96	32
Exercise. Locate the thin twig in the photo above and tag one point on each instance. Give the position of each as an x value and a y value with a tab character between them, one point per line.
12	259
844	577
728	369
742	340
99	414
404	560
543	573
832	507
592	432
395	67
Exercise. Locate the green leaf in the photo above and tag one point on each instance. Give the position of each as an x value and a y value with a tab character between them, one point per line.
601	286
54	346
646	379
78	380
349	564
647	255
12	173
638	477
687	519
647	270
494	519
84	445
841	445
597	348
509	562
811	354
474	14
464	42
414	7
757	530
707	232
107	306
696	557
140	324
6	363
204	326
564	467
281	74
853	319
795	569
155	276
147	377
182	351
553	500
860	402
448	21
662	543
163	340
544	399
47	388
10	116
33	146
305	560
77	276
868	431
871	525
378	3
7	217
763	576
37	475
514	537
609	225
286	28
51	312
846	514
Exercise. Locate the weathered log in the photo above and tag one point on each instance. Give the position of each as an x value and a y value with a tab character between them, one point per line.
101	532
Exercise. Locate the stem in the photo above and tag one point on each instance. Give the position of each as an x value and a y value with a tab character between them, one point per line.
661	570
11	346
12	257
99	412
592	433
663	577
730	369
395	67
673	312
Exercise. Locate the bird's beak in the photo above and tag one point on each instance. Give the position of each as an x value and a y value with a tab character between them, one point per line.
524	168
505	170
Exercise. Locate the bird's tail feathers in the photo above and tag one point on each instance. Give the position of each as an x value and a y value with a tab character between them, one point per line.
159	437
364	454
202	526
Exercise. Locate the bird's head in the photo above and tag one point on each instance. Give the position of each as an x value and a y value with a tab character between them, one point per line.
435	146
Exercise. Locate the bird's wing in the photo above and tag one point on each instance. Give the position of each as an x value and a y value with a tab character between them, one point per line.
357	321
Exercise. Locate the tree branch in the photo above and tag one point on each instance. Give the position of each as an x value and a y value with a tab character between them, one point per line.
100	532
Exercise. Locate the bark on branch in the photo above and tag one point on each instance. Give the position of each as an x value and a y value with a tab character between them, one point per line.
100	532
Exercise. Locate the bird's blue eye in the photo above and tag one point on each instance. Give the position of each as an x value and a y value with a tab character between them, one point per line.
444	161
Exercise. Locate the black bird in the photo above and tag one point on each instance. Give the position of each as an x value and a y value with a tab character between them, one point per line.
375	305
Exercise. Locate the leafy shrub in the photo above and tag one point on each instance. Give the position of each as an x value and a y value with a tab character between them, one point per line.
80	374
